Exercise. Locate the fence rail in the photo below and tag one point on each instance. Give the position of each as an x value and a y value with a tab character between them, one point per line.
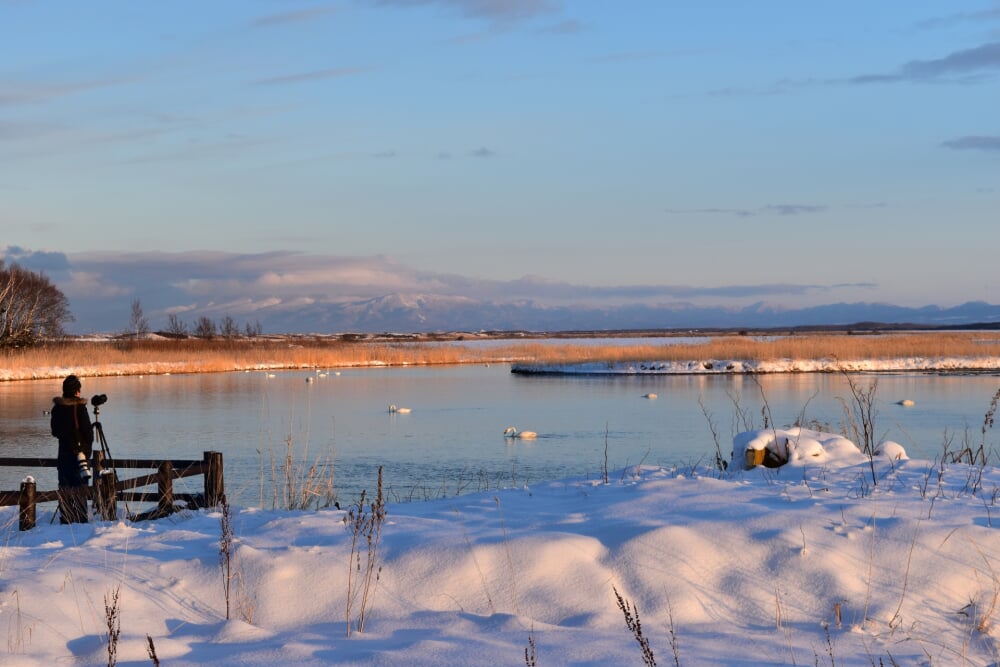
106	489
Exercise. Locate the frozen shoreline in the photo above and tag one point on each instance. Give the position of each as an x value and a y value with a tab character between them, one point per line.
737	367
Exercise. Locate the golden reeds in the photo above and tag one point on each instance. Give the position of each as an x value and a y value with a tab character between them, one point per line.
113	357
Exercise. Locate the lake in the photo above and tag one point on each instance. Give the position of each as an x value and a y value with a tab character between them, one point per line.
452	440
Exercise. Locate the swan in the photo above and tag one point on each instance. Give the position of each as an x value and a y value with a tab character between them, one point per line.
649	395
511	432
906	403
394	409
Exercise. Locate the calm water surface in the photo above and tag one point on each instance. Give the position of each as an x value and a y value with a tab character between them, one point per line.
452	440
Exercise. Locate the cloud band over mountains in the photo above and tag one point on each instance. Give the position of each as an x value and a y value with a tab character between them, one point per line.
296	291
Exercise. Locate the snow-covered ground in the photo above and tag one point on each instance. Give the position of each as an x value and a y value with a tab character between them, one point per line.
831	559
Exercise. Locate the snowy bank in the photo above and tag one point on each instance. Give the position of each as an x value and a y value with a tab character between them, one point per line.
736	366
831	560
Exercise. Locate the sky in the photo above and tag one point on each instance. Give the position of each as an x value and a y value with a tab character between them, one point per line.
638	151
830	560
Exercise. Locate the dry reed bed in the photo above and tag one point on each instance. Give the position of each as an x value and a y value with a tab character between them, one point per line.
746	348
204	356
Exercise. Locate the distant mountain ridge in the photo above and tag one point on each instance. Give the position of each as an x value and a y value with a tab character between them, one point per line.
426	313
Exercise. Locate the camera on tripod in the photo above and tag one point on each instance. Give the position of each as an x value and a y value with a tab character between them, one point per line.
98	400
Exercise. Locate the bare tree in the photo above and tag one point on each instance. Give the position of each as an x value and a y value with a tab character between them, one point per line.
176	325
204	327
228	327
31	307
254	330
139	323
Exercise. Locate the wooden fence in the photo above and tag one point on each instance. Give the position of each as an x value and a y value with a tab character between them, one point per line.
107	490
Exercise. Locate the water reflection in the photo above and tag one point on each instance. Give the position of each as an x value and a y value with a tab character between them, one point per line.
453	441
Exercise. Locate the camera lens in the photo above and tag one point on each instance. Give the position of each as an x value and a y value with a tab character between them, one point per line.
81	463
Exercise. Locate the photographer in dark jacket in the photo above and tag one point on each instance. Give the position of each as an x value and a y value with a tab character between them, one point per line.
71	424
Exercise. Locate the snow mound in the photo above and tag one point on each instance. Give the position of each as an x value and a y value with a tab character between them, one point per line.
798	446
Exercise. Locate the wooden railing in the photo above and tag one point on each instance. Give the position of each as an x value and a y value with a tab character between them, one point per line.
107	490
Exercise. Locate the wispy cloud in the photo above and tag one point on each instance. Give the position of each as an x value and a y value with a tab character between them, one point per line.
567	27
306	77
637	56
792	209
16	93
960	17
976	60
964	66
306	15
782	87
500	11
225	148
974	143
767	209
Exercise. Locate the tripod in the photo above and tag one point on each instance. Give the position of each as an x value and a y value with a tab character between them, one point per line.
109	461
99	431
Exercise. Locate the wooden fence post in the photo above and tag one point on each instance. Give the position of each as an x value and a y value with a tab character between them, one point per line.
164	484
107	495
215	489
26	505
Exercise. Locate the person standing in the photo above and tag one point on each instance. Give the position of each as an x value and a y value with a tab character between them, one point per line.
71	425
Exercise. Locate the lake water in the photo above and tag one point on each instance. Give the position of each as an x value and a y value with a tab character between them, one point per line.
452	440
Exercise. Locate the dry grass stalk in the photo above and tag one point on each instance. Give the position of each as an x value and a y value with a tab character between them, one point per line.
18	636
151	651
301	485
509	556
897	617
673	634
864	412
244	595
226	552
112	617
475	561
365	523
529	651
985	613
632	622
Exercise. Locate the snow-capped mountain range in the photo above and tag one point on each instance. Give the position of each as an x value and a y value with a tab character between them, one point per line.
425	313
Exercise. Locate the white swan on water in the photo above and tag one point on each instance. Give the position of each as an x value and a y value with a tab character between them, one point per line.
511	432
394	409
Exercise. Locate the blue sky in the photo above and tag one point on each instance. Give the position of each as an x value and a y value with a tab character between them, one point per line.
728	152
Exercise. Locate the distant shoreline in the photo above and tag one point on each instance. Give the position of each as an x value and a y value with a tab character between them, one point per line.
626	352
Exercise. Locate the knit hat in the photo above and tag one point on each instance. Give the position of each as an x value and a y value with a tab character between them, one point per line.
71	385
